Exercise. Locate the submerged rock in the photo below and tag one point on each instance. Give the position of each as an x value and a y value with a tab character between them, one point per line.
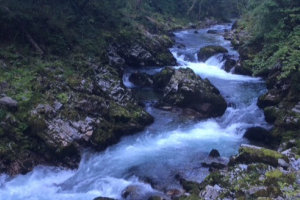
209	51
184	89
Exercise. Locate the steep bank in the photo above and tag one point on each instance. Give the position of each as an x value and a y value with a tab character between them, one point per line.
267	38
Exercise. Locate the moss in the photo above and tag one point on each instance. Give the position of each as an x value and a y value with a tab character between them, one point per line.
215	178
277	178
250	155
191	197
63	98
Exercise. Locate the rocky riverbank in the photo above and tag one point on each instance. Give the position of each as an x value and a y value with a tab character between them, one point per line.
52	107
256	172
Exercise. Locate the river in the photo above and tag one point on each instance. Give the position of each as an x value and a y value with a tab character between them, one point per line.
172	145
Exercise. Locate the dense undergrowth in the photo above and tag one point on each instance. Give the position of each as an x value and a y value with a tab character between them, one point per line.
270	35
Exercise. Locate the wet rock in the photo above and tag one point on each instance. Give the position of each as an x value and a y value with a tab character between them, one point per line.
174	193
259	134
180	46
134	192
103	198
214	153
253	154
184	89
212	31
242	70
209	51
9	103
141	79
229	63
269	99
211	192
215	163
162	79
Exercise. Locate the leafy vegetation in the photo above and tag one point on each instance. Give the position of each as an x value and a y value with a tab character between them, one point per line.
275	31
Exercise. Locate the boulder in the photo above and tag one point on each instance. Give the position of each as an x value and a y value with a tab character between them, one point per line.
9	103
229	63
141	79
259	134
253	154
183	88
162	79
209	51
214	153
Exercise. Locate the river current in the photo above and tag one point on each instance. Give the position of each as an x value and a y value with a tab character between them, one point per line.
172	145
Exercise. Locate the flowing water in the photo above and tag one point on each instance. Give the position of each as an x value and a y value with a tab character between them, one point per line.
172	145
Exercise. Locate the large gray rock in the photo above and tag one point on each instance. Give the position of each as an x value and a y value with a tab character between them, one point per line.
9	103
185	89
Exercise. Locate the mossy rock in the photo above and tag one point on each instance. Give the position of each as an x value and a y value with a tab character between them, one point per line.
268	99
162	79
271	114
209	51
277	177
252	154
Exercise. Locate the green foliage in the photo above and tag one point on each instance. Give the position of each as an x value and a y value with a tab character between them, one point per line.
275	25
63	98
